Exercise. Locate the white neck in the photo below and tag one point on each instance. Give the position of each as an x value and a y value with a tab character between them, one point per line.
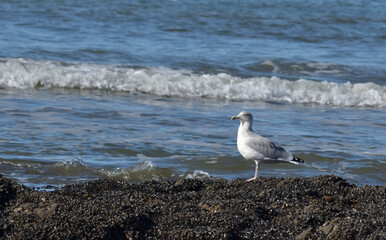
245	125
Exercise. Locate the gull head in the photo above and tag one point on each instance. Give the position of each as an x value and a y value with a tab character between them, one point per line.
244	117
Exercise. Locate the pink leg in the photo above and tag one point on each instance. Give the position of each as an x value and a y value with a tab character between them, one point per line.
256	171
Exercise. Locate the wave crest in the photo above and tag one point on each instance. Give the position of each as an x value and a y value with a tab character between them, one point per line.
161	81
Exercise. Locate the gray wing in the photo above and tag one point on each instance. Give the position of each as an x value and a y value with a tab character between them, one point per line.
269	149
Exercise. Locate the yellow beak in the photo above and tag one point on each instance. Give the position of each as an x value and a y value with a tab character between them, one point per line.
234	117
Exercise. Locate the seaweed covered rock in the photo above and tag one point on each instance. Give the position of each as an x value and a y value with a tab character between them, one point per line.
269	208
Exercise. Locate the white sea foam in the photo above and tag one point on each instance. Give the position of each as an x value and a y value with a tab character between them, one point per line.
22	73
197	174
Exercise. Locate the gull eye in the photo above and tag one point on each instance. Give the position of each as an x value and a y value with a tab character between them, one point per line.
245	114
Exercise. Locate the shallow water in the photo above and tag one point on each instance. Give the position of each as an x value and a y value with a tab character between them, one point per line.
59	136
146	90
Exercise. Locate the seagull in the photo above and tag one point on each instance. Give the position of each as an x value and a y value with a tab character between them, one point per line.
254	147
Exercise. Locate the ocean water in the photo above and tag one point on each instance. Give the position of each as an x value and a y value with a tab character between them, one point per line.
144	90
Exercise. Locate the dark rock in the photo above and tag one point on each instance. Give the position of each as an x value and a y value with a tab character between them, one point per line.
323	207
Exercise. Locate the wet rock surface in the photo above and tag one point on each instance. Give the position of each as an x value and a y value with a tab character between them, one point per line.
324	207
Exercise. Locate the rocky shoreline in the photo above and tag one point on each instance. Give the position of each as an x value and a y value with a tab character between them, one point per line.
323	207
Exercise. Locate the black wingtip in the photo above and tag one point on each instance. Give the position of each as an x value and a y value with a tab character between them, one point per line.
295	159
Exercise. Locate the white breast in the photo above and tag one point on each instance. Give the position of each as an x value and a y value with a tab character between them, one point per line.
246	151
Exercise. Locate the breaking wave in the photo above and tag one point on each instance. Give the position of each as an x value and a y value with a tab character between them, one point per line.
161	81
